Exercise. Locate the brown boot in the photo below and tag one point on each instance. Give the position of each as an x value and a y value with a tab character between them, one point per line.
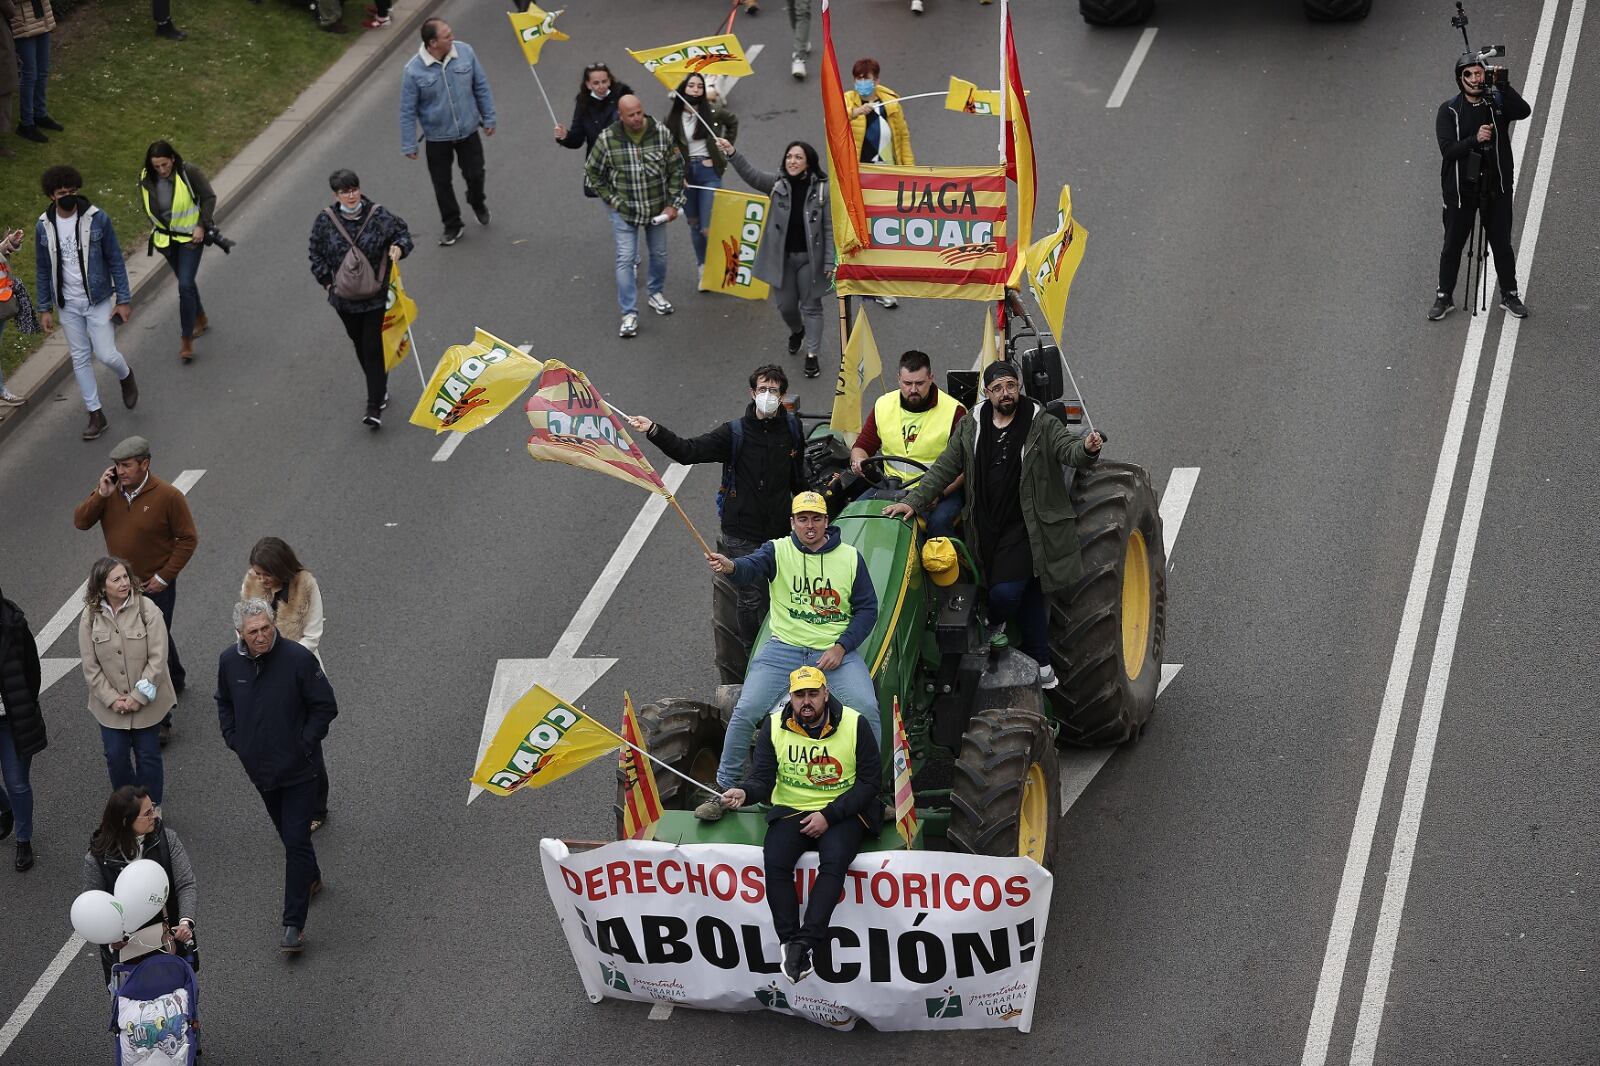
200	325
97	425
186	353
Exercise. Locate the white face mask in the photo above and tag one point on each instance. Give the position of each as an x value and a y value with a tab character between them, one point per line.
766	403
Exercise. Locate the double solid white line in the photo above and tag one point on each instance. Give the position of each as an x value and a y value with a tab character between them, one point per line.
1347	906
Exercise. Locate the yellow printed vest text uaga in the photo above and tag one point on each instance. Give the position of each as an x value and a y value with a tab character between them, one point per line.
919	435
811	594
812	773
182	220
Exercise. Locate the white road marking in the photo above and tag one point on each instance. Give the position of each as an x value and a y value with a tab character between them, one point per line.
41	988
1129	72
1319	1031
1380	964
448	448
563	672
1175	504
660	1012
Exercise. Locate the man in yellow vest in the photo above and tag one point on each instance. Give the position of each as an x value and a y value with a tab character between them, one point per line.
823	607
818	768
915	422
179	203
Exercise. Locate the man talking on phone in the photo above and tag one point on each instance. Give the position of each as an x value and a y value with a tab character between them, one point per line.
80	271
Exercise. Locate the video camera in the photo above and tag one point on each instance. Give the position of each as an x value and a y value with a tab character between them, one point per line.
1492	73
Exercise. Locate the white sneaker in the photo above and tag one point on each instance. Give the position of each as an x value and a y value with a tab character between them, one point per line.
10	399
798	69
660	304
1047	677
888	301
916	7
630	325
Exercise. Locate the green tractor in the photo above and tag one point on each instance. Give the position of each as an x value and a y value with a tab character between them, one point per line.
983	734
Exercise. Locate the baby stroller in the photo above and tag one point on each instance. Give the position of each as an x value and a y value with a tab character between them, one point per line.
155	1012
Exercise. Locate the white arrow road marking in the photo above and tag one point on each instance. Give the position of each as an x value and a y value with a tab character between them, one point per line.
1079	766
563	672
53	670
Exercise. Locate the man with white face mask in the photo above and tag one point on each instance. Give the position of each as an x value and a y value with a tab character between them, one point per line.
763	466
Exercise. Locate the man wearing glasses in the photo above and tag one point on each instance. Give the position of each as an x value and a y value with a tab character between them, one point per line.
763	465
1018	519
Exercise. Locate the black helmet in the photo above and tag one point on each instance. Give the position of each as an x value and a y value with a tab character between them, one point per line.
1465	60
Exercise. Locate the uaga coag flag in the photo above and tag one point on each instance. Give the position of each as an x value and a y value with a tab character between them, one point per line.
534	27
573	424
721	54
398	314
737	221
1053	261
473	383
936	232
542	738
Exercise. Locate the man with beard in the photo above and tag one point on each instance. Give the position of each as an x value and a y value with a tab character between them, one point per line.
915	423
1018	517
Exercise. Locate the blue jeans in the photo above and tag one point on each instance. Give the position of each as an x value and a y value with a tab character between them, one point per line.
33	70
942	522
698	210
767	682
627	239
14	768
133	756
185	262
1024	601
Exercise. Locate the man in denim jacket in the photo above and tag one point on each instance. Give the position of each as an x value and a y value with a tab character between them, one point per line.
80	273
445	89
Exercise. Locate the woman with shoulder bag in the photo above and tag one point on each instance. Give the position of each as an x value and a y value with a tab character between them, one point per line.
15	305
130	829
122	639
353	241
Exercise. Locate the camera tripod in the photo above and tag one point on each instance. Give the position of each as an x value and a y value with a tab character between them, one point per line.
1477	294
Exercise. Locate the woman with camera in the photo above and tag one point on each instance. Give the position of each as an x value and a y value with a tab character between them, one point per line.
179	203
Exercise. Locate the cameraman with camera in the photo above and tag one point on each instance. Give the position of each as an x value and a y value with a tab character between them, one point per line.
1474	131
180	204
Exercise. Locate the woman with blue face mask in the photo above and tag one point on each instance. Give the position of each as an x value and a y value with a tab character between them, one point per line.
878	121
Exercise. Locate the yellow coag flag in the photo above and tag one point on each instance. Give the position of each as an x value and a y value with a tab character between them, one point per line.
1053	261
737	221
534	27
398	315
703	55
860	364
966	97
542	738
989	347
573	424
473	383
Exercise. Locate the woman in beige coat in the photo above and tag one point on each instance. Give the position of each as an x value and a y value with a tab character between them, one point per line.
122	640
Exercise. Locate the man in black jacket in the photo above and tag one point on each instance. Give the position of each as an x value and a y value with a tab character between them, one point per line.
763	466
275	705
1474	131
22	732
817	764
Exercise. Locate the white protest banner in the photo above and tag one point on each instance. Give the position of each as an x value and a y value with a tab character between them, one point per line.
921	939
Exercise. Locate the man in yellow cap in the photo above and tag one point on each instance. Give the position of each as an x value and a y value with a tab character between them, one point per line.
818	768
823	607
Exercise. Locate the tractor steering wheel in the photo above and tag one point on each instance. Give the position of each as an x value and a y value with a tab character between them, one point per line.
874	469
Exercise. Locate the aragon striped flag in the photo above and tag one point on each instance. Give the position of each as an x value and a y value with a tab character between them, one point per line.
641	800
572	424
905	805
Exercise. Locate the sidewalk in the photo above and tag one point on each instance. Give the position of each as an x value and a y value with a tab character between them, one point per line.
44	371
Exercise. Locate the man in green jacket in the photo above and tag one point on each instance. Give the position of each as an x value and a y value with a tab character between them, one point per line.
1018	517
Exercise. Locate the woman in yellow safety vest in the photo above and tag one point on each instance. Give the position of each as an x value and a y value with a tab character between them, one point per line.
180	204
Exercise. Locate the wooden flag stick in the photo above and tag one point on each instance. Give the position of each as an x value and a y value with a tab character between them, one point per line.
675	506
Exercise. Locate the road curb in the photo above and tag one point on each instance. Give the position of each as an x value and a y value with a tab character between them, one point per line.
43	371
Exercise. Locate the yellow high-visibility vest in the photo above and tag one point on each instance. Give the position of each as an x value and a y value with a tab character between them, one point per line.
919	435
185	215
813	772
811	594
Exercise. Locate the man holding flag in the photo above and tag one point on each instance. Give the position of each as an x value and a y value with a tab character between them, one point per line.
823	607
819	770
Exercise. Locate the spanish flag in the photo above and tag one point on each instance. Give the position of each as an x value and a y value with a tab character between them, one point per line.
1019	161
844	185
534	27
542	739
641	800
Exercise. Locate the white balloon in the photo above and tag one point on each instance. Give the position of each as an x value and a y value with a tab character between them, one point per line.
97	917
141	892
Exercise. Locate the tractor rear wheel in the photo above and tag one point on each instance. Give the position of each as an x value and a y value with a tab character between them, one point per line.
1006	797
1106	633
687	736
1336	10
1115	12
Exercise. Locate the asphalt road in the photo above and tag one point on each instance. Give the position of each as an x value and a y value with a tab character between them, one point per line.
1263	226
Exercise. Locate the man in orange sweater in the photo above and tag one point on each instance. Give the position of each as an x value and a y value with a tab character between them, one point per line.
147	522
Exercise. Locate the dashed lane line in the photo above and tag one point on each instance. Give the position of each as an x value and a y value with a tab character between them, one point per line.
1120	92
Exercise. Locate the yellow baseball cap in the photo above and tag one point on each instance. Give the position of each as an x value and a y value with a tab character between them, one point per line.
807	677
939	561
810	503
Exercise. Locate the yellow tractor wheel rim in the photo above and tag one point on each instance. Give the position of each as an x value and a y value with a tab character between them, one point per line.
1033	828
1135	605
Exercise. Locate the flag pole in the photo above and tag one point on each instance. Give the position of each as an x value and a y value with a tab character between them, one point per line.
630	744
416	358
694	110
1005	80
540	83
675	506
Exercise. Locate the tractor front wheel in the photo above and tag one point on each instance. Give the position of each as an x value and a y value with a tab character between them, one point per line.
1006	798
1115	12
687	736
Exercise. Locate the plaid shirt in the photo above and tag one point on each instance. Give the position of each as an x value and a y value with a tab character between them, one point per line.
639	180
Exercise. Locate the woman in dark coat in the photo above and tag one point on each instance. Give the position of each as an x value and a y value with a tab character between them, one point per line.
595	109
22	734
383	238
131	828
703	162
